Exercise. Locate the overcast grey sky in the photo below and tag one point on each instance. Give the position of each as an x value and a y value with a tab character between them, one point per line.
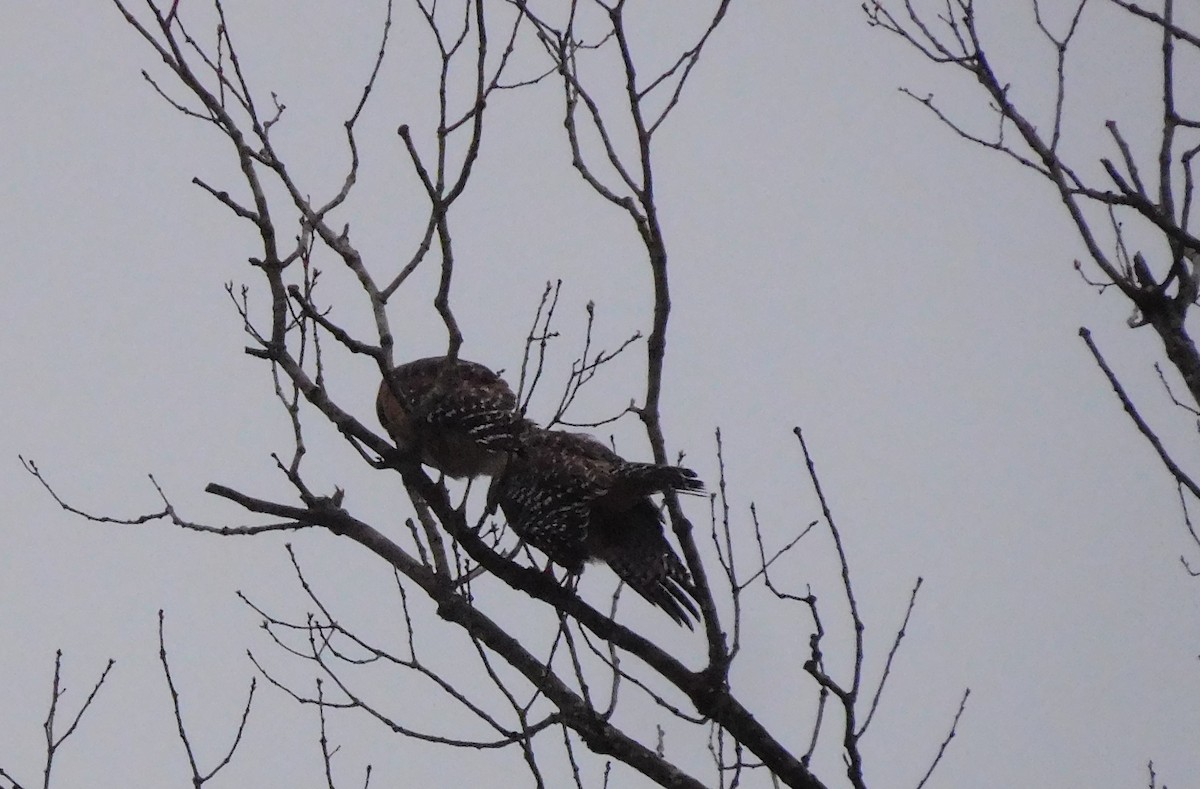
840	261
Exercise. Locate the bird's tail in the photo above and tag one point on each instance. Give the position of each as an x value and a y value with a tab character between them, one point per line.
653	478
638	552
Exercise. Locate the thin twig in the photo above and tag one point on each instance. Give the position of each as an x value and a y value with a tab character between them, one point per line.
946	742
1181	477
887	666
53	743
199	780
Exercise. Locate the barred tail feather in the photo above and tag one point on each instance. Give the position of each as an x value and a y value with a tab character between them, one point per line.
634	546
653	478
677	597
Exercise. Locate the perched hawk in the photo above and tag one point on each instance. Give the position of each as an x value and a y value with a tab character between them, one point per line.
456	416
576	500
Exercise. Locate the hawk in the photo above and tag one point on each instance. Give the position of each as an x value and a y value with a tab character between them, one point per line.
456	416
575	500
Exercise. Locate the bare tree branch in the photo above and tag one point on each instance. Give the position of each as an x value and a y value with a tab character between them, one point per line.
198	780
1180	477
887	666
962	705
55	741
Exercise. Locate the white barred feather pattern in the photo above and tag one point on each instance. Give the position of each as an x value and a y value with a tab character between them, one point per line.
576	500
455	415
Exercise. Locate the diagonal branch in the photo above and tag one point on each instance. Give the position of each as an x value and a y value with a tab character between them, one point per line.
1180	476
